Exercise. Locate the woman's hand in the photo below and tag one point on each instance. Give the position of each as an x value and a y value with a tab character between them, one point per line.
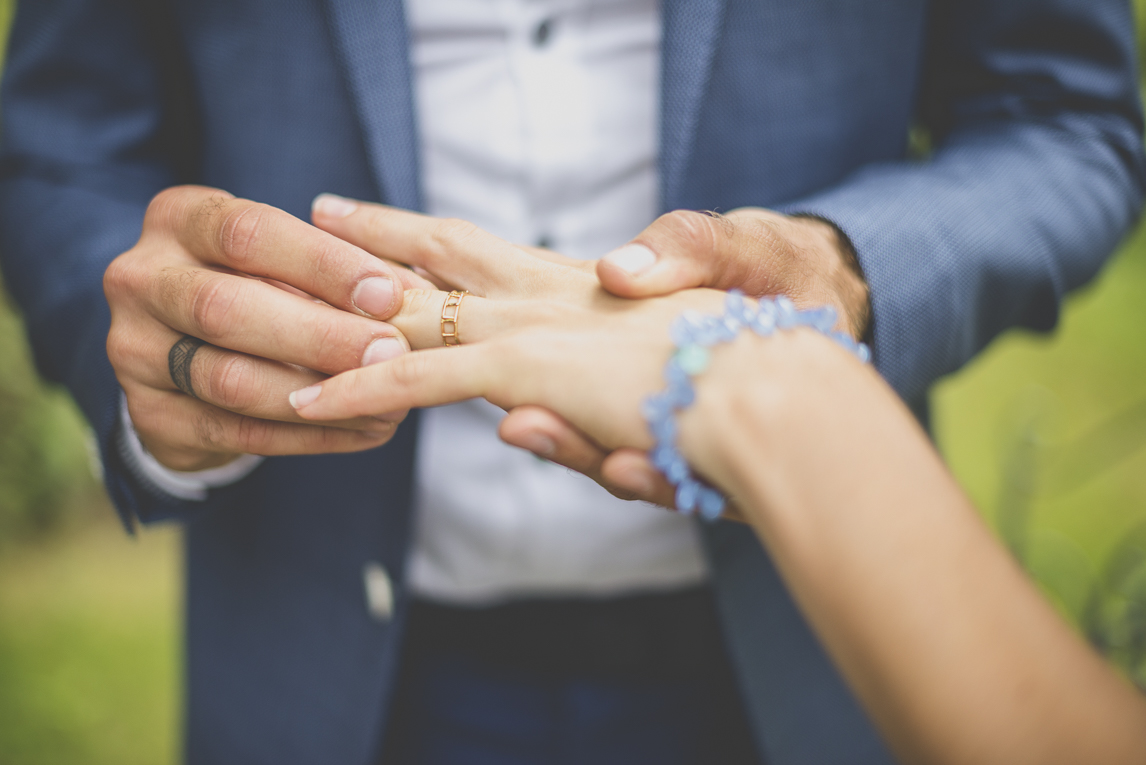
551	341
757	251
549	314
456	254
532	331
873	537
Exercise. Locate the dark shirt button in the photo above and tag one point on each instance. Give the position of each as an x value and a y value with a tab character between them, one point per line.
542	33
545	242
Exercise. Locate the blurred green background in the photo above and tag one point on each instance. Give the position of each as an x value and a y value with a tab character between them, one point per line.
1047	434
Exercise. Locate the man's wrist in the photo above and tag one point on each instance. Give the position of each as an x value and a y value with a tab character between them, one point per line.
849	282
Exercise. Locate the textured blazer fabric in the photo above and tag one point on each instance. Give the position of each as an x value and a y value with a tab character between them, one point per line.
1035	174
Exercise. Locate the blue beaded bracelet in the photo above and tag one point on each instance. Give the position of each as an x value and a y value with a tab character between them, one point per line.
693	334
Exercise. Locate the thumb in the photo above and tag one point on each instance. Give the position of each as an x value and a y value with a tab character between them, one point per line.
679	250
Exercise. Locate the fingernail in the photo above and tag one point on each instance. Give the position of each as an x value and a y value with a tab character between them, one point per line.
640	482
382	349
541	445
634	258
379	431
331	206
374	295
305	397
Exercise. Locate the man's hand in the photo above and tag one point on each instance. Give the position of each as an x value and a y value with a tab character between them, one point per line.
222	308
758	251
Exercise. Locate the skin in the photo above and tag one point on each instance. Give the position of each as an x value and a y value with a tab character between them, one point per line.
755	250
276	303
273	298
947	644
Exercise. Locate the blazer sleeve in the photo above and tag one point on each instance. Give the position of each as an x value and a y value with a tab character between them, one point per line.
94	125
1036	173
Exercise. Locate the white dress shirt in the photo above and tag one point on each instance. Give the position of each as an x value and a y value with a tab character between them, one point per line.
538	121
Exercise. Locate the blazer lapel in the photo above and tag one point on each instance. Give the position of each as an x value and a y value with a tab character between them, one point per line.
691	29
371	41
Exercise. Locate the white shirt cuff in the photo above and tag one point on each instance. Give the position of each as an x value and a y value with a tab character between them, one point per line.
191	485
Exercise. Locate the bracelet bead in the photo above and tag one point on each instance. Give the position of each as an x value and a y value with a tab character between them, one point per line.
693	334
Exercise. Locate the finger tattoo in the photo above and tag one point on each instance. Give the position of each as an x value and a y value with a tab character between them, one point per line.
179	363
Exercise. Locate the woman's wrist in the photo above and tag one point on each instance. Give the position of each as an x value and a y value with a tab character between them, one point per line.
695	335
743	433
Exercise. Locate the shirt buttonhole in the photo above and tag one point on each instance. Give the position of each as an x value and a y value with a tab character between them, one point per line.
542	32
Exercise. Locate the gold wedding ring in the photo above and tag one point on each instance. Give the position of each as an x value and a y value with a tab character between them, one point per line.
450	324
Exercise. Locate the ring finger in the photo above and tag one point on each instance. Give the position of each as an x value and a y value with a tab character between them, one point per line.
237	382
424	325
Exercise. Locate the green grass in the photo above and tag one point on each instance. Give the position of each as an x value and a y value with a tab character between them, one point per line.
1053	391
89	619
1048	437
89	661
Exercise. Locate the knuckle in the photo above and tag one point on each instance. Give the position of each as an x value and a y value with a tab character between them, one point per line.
331	346
203	218
171	285
142	412
117	279
178	203
397	417
162	207
183	460
119	348
693	230
241	229
764	233
448	235
375	221
179	439
419	302
231	382
210	432
124	278
213	305
618	492
330	439
253	434
409	370
328	259
385	433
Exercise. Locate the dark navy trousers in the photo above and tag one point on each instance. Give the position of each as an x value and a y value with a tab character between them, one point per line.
629	681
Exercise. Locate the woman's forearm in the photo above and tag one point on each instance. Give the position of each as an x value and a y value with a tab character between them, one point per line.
943	638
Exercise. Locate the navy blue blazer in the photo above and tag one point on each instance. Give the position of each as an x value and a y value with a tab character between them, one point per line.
801	105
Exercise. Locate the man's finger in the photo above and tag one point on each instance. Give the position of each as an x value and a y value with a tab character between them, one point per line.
759	251
251	316
264	241
677	251
551	437
625	473
631	470
238	382
455	251
193	433
748	249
